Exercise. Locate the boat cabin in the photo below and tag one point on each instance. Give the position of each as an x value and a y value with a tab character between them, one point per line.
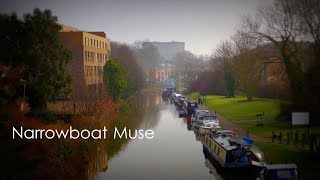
231	152
189	107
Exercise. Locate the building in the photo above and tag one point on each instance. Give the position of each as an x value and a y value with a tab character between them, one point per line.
161	72
169	49
90	51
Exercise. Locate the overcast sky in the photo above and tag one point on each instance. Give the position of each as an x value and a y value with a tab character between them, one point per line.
201	24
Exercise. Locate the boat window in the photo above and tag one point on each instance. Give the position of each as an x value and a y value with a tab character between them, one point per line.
209	118
218	151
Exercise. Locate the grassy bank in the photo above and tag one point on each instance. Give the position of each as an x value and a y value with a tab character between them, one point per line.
281	153
243	112
239	108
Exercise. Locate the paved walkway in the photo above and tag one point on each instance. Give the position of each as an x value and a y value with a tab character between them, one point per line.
227	124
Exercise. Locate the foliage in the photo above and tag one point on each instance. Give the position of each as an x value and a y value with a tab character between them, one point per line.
115	81
33	43
230	81
214	86
128	61
222	59
286	24
147	53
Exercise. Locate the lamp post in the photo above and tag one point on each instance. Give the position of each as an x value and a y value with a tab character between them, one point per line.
24	93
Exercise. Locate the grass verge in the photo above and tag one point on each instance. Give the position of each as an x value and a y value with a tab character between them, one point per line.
239	108
280	153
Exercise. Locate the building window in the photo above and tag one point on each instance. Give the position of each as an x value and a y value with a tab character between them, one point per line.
90	42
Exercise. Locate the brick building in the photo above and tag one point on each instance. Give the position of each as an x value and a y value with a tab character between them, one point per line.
161	72
90	51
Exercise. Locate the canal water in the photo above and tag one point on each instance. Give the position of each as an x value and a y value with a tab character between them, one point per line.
174	152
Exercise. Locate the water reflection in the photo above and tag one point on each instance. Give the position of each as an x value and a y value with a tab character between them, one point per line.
172	154
99	161
176	152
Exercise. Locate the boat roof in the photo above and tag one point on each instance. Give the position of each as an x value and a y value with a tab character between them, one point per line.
281	166
207	117
202	110
225	143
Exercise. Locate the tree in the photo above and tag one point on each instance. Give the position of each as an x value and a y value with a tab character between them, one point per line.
33	42
287	24
223	57
308	12
128	62
189	65
115	81
230	80
248	63
147	53
279	24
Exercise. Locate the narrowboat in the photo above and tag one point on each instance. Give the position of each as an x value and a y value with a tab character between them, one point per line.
231	152
206	123
200	112
189	107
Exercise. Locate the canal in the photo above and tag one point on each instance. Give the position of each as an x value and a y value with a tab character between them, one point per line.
174	152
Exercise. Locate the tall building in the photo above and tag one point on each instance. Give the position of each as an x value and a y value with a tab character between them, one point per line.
169	49
90	51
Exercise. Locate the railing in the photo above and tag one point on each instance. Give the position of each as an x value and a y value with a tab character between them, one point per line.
303	139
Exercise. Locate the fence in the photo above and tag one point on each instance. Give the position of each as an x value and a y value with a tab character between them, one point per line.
302	139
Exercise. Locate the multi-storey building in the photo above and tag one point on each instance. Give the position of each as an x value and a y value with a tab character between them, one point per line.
90	51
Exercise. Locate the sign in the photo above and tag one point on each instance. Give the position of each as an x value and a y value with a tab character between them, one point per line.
300	118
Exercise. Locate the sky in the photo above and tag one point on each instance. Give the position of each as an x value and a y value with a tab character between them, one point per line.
201	24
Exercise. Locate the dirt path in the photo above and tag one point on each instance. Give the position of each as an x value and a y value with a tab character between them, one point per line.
227	124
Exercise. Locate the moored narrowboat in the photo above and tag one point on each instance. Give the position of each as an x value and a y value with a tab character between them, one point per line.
232	152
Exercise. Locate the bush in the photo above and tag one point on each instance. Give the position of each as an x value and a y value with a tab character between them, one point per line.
260	125
48	116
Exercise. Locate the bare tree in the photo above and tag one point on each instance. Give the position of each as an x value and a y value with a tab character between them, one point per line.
224	53
248	63
279	25
223	56
309	16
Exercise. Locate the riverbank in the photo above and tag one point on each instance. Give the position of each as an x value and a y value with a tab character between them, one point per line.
257	116
55	158
281	153
242	118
